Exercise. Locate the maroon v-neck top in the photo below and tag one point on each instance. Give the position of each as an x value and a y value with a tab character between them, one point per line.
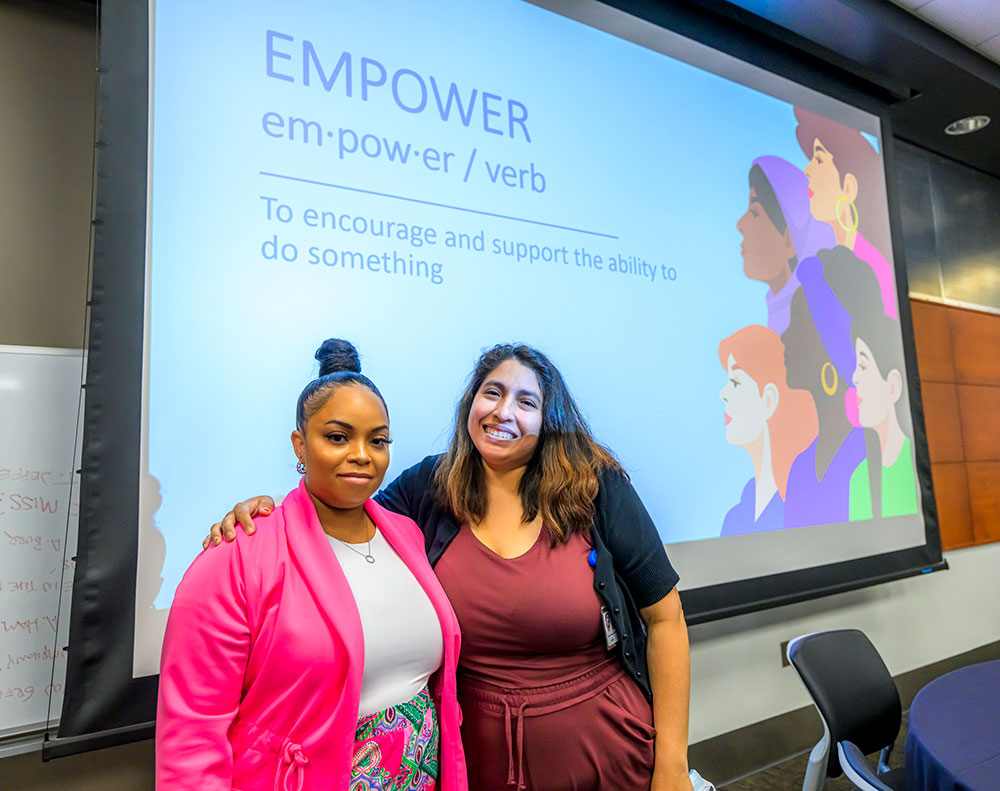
527	621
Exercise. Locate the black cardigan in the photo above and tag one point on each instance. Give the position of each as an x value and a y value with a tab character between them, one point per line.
631	570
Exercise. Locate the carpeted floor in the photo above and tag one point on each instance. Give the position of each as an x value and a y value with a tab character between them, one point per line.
788	776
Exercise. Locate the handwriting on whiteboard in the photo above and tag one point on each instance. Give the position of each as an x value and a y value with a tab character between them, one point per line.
35	510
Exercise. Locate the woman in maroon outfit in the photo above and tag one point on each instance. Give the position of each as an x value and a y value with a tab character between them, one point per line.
544	550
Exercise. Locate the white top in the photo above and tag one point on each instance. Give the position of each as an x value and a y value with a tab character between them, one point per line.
404	643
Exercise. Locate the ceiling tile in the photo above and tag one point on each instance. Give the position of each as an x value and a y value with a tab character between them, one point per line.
972	21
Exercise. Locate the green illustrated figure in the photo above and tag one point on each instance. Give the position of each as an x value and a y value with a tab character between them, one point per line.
888	471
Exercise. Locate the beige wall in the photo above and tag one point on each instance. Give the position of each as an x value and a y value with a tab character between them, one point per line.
737	677
125	768
47	89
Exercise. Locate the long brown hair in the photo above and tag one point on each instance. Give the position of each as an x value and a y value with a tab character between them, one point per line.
561	479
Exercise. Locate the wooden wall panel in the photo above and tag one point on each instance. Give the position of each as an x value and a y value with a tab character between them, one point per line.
941	417
932	336
958	357
951	490
984	500
975	340
979	408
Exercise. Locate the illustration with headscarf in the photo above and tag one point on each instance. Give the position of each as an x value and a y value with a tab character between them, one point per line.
818	397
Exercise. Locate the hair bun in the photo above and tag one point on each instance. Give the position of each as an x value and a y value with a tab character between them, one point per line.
336	355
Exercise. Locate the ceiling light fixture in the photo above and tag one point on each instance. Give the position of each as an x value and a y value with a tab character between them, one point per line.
965	126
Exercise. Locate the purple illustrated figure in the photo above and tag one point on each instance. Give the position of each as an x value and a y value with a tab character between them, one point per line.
820	358
779	231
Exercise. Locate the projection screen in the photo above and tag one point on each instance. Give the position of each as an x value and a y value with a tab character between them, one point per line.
665	221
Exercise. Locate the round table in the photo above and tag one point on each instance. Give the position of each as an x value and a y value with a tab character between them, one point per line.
953	743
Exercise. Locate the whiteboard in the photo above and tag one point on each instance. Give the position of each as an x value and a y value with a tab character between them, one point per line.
40	405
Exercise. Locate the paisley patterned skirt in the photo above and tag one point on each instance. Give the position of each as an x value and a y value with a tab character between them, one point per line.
397	748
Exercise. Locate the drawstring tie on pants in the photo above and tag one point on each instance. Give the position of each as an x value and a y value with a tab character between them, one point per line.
519	715
291	766
515	705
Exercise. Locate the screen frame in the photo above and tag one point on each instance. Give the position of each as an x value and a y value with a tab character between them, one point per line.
104	705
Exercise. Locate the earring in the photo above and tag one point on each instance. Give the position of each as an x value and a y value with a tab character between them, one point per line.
301	467
853	211
829	389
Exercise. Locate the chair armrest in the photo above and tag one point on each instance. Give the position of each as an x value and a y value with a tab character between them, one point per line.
858	770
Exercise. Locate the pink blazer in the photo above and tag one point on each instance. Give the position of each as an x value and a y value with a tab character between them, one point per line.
260	675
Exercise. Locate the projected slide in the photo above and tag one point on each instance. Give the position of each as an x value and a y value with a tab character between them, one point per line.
703	248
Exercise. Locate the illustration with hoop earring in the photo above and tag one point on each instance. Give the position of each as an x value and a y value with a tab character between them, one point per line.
852	213
846	217
831	388
829	191
818	480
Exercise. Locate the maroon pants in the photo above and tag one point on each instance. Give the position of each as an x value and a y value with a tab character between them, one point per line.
592	732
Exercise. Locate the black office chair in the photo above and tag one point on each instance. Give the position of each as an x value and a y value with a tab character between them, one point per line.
858	704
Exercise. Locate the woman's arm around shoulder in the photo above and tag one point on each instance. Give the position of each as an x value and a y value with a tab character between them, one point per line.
408	491
242	514
404	496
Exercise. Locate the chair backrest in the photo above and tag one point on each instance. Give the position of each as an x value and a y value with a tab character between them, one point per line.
852	689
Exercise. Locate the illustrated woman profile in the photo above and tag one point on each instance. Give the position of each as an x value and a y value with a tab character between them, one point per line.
779	231
767	419
884	484
847	190
819	357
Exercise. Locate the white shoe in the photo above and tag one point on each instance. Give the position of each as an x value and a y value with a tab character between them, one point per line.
700	783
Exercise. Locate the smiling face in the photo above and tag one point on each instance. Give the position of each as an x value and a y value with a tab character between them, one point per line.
765	250
877	396
824	184
747	407
506	416
345	447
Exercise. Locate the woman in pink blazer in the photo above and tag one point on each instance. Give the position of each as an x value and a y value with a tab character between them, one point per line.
347	642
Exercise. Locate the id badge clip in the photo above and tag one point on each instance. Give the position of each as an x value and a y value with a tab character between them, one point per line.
610	633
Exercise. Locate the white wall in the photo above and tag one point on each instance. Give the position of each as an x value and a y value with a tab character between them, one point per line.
737	677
